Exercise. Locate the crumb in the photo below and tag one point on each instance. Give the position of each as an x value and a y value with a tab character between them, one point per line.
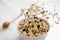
42	8
22	10
56	22
46	11
42	12
47	17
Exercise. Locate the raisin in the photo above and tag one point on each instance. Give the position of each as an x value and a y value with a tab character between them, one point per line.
32	25
25	29
47	30
38	26
28	35
29	21
40	20
26	12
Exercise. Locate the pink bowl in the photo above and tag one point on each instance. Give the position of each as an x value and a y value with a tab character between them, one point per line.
24	37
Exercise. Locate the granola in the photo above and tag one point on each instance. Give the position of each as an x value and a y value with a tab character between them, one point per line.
33	27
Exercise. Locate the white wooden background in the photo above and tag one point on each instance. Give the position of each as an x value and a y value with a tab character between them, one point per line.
9	9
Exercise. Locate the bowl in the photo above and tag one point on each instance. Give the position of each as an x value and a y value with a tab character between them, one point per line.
39	37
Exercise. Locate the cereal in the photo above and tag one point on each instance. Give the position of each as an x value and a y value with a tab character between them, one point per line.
32	28
22	10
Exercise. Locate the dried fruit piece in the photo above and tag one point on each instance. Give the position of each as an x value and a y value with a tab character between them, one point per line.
38	26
